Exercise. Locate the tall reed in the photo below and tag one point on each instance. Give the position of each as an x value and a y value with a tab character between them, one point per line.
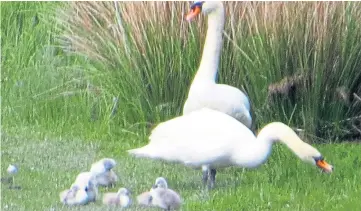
299	62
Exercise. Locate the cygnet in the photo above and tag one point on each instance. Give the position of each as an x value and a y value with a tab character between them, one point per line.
74	196
163	197
121	198
103	172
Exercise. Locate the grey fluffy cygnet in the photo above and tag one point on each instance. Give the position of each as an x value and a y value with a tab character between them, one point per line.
144	199
74	196
163	197
121	198
86	180
103	172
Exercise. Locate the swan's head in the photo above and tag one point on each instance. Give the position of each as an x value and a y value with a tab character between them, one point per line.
279	131
311	155
205	7
160	182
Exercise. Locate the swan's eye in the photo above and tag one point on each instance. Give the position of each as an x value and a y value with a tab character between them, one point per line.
196	9
197	4
322	164
318	159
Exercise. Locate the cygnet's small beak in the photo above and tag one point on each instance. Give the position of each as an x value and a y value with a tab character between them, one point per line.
322	164
154	186
193	13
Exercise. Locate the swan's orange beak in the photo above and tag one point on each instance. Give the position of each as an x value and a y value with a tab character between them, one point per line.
322	164
193	13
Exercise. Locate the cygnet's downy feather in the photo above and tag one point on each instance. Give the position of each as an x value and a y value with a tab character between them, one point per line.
163	197
144	199
74	196
103	172
121	198
87	180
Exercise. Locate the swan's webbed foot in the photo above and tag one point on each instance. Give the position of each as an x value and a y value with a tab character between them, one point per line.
212	178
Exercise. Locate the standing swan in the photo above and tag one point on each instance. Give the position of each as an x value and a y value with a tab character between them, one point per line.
209	137
204	92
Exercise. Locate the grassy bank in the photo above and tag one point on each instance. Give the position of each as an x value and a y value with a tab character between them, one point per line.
81	81
284	183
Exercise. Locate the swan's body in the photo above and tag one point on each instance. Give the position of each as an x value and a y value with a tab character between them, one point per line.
204	91
121	198
163	197
103	172
210	138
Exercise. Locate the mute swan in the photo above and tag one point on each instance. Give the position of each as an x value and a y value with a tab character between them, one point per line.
122	198
102	170
209	137
163	197
204	92
74	196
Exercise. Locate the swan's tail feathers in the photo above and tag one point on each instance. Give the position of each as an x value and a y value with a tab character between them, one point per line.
143	152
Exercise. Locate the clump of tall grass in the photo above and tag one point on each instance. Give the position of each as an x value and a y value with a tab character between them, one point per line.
138	53
41	88
294	59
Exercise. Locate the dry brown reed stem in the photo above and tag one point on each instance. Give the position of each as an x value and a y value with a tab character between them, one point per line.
87	21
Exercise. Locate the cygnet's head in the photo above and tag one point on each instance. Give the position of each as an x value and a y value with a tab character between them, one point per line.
123	192
12	169
109	163
205	7
160	182
102	166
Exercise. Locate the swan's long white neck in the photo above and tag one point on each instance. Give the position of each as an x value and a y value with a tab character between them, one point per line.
279	132
275	132
212	47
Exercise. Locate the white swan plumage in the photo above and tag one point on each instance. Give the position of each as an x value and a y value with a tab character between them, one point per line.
212	138
204	91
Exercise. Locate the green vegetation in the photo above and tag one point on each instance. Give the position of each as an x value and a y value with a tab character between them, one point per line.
63	64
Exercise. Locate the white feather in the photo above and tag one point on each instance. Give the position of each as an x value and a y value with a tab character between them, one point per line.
209	137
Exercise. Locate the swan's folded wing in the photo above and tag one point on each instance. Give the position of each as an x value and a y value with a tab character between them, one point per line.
197	138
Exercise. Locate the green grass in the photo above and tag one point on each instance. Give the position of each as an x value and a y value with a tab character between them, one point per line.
56	104
49	165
